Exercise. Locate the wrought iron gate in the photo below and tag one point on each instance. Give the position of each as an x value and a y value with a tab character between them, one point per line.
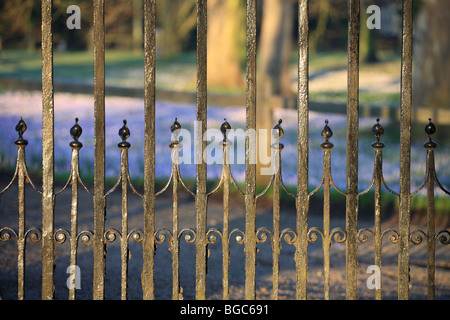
299	236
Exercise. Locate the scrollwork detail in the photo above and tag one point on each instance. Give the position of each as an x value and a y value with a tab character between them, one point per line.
416	237
137	235
313	234
5	234
211	235
87	237
160	236
263	234
189	235
240	238
111	235
289	236
339	235
60	236
394	238
363	235
443	236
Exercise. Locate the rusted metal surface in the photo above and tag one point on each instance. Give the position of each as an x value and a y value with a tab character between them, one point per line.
377	181
201	197
326	240
149	198
302	199
99	150
48	250
352	147
405	151
250	166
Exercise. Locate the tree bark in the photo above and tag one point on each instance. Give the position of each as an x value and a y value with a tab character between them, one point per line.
273	68
432	52
226	38
275	44
137	25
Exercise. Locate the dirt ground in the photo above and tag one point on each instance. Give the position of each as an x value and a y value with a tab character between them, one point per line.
163	269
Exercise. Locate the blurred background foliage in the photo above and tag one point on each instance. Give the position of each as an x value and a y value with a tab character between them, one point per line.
277	31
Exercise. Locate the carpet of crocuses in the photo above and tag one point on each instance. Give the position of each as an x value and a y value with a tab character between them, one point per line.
28	104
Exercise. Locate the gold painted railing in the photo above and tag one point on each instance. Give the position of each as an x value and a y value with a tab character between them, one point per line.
261	235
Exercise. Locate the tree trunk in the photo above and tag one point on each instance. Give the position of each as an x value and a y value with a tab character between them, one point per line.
368	48
276	44
432	52
226	38
273	67
322	21
137	25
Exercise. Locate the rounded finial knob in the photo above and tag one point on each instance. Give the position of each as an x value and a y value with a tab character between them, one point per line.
327	133
430	129
124	134
277	144
175	126
224	127
76	132
279	128
378	130
21	127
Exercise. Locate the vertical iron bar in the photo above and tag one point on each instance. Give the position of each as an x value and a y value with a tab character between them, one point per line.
124	237
48	249
378	146
431	228
326	146
174	246
201	198
99	150
326	241
405	152
74	221
301	253
148	269
352	149
21	232
431	223
226	221
276	222
250	166
377	236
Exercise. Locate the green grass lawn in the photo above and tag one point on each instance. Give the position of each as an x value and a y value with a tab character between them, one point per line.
126	69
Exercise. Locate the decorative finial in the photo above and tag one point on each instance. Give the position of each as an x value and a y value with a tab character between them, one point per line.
430	129
223	128
279	128
277	144
21	127
124	134
175	128
76	132
378	131
327	133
